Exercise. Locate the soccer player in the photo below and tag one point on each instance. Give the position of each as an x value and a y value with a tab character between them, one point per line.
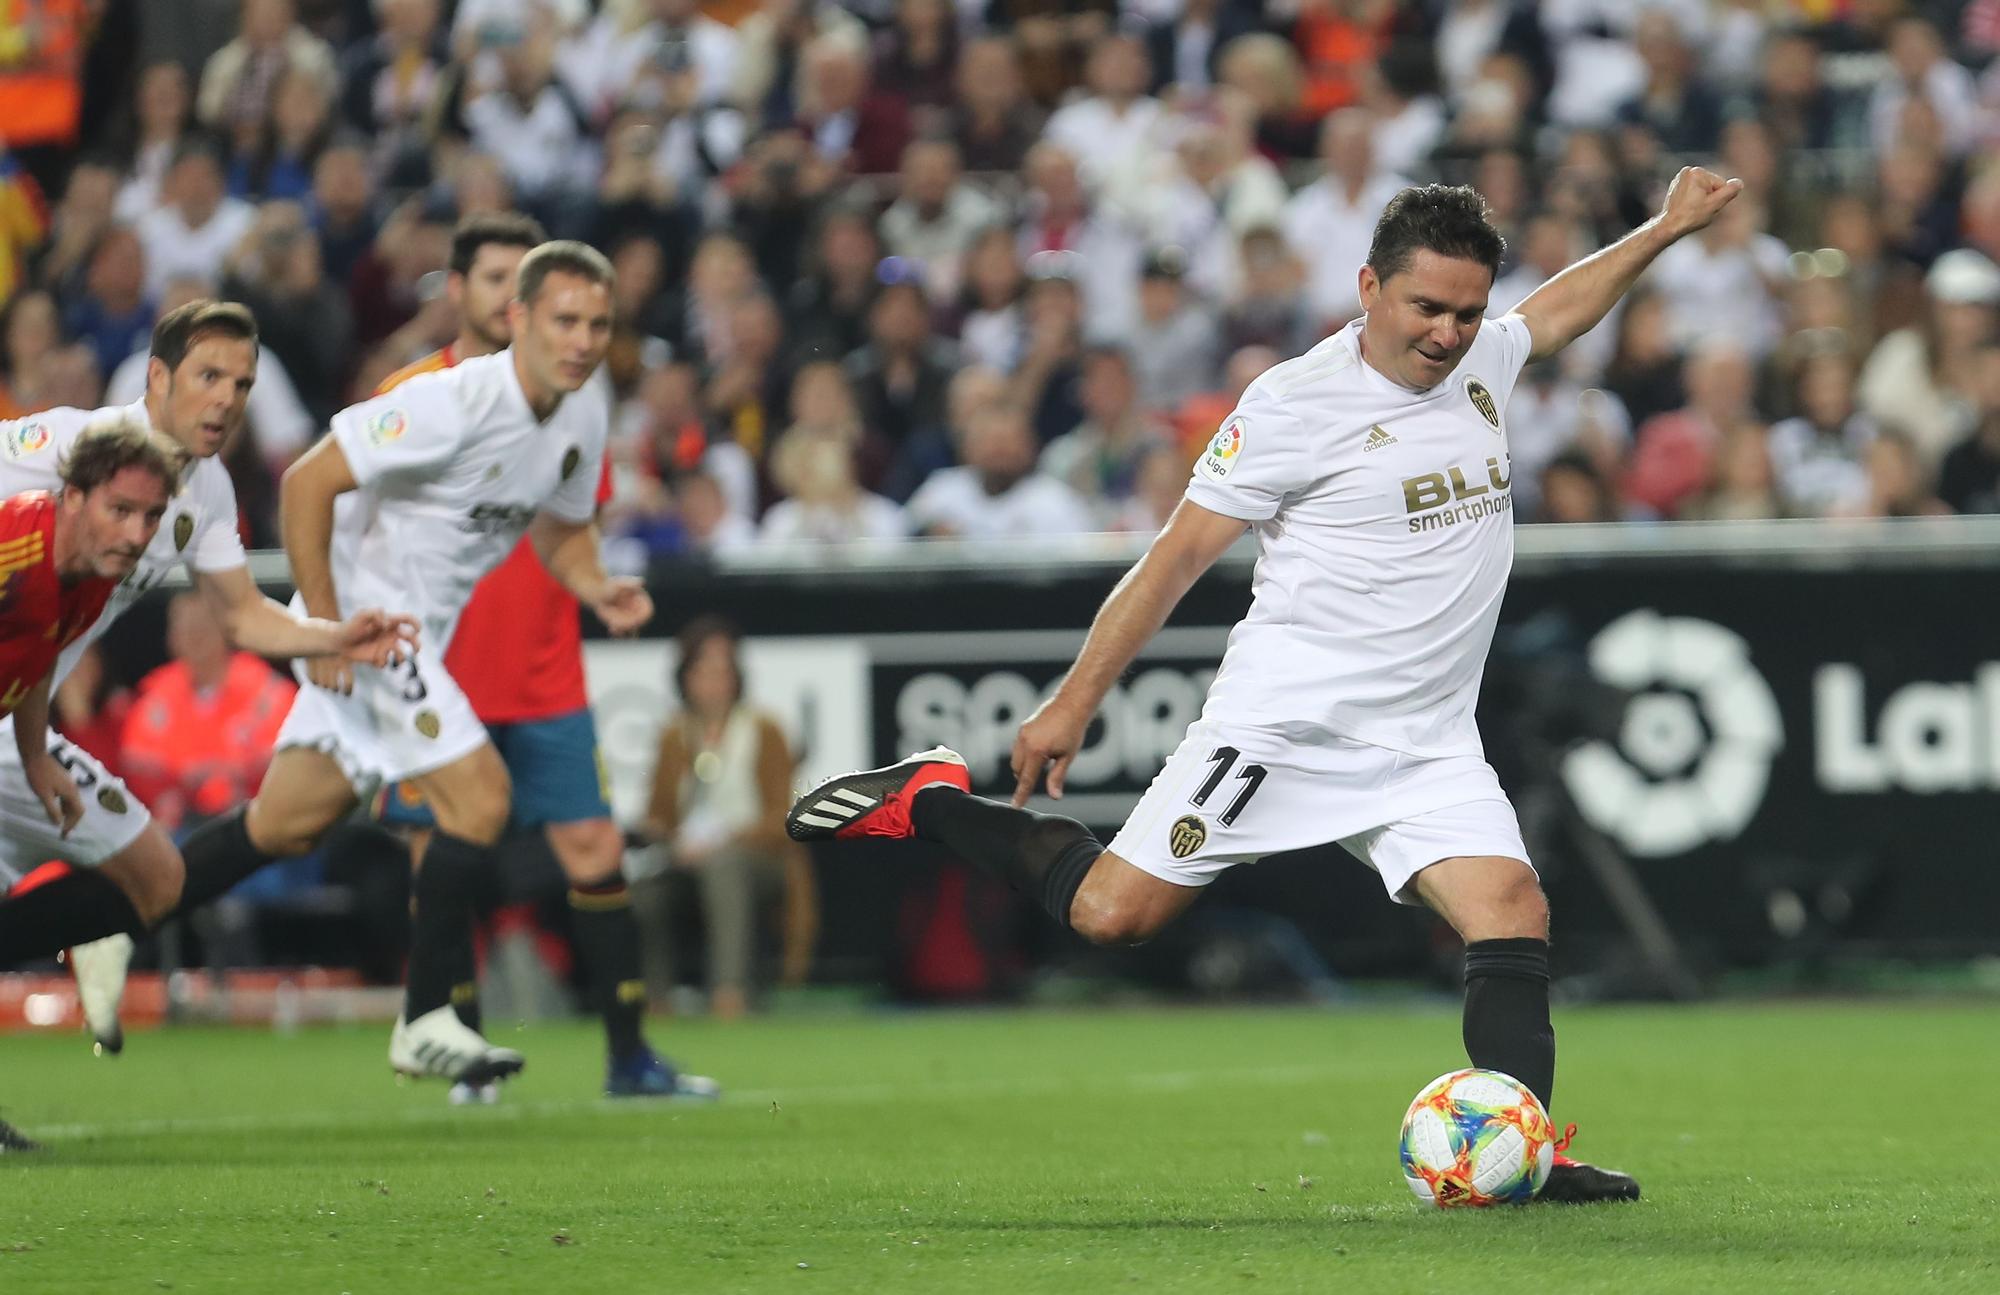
417	495
1375	473
518	656
126	875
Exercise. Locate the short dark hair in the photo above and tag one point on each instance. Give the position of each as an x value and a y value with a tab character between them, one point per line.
503	228
1449	219
561	256
180	328
109	446
695	636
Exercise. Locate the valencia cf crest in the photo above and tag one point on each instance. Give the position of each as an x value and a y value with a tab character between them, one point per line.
1482	400
571	457
427	723
183	531
1187	835
112	800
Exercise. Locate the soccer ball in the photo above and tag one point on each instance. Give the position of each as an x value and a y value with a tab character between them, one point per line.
1476	1137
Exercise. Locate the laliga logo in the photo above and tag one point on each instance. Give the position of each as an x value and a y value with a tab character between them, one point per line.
1702	733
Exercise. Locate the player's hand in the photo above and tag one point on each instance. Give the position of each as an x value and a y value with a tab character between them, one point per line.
1048	740
56	790
624	605
378	638
333	673
1695	198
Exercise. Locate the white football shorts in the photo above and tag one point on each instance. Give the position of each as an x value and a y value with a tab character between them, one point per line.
397	723
112	815
1229	795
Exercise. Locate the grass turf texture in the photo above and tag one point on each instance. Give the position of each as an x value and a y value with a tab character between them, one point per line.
1795	1147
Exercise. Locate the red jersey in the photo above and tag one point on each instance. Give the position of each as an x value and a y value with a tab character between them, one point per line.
39	614
518	650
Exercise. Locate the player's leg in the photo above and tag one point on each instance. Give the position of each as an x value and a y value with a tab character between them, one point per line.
559	773
1467	862
469	798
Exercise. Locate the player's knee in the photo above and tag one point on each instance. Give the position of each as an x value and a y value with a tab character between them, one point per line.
1519	907
479	814
1110	923
156	888
590	852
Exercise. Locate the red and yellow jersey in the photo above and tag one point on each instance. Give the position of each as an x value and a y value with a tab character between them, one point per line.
518	650
39	614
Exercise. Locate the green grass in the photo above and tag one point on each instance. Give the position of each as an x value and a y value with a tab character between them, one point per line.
1786	1147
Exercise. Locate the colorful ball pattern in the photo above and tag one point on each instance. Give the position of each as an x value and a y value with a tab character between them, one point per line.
1476	1138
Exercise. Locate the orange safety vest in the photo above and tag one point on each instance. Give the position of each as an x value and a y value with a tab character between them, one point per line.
41	87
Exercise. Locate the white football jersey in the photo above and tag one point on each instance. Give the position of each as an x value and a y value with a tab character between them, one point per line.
1385	527
199	529
452	466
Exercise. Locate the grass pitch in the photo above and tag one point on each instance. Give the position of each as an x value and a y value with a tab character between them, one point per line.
1793	1147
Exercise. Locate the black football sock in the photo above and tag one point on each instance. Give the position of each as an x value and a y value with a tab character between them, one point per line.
607	937
445	892
1507	1012
1043	856
73	909
218	854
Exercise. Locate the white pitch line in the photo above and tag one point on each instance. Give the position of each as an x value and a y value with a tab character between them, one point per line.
794	1099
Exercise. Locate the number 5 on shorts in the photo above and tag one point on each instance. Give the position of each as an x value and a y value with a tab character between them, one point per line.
1251	774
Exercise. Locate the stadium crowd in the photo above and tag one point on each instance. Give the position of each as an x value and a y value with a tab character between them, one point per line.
999	267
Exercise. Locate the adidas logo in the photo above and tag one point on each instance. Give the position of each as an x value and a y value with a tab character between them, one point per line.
1377	438
837	808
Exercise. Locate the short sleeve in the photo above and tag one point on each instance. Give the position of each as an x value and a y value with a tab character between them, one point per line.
31	450
218	545
413	430
1255	459
1514	344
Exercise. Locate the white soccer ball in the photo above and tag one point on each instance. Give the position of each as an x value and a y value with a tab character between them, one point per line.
1476	1138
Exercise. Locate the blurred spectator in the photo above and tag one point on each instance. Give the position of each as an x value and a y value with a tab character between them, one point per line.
1969	481
301	317
1401	97
534	126
1266	70
1093	249
1897	480
1100	457
1573	490
1157	488
1201	414
1743	488
991	328
1338	41
87	212
971	389
1331	221
1725	281
1673	457
1212	189
826	315
1921	69
1920	380
900	376
41	84
163	109
852	126
997	494
1045	382
1818	454
89	708
771	56
1914	210
1791	96
634	40
392	83
1270	306
113	316
279	162
1675	104
1549	245
721	786
937	214
30	334
1117	126
342	208
1471	31
918	54
1552	413
1173	350
193	232
746	395
711	525
240	80
1185	48
202	726
780	189
992	122
824	501
1645	368
720	274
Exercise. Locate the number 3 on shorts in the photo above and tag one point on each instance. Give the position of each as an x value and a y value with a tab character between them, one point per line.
1224	758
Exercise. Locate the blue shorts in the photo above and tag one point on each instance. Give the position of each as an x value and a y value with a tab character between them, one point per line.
557	770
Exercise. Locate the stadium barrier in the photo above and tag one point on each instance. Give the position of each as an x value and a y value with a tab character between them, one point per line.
1787	732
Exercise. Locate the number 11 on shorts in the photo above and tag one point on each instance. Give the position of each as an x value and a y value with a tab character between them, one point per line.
1224	758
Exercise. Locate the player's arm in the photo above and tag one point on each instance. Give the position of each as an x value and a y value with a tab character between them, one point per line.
49	781
1194	537
570	551
1572	303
